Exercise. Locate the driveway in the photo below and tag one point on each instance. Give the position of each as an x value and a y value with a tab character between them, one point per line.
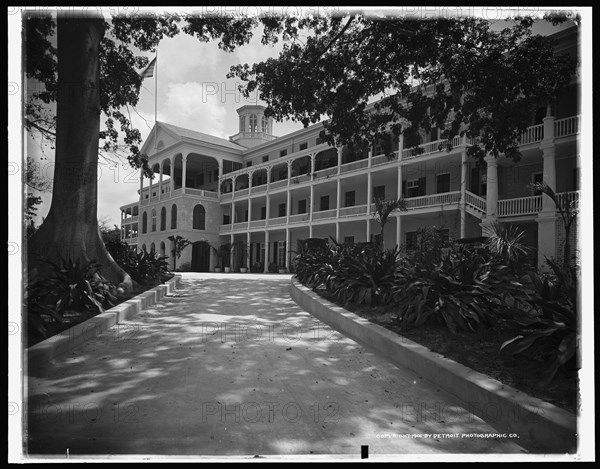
230	365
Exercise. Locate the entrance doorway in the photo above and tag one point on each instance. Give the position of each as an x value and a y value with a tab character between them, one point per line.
200	256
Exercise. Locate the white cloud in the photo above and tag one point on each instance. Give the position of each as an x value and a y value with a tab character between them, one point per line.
198	106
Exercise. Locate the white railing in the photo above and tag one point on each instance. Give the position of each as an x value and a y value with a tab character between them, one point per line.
324	214
324	173
130	220
257	223
191	191
432	147
383	159
255	135
277	184
240	225
564	199
300	217
532	134
277	221
258	189
432	200
475	201
354	165
225	227
227	196
355	210
300	179
201	193
568	126
519	206
242	192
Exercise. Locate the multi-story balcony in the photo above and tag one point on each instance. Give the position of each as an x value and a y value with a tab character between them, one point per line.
532	205
318	174
474	204
532	136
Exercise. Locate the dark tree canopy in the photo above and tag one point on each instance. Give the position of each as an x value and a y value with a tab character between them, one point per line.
456	74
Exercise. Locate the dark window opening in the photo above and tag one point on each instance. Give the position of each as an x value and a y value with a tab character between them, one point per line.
350	197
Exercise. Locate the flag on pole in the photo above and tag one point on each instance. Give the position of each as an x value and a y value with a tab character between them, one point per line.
149	71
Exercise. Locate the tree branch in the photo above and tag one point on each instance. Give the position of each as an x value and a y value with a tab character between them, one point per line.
337	36
41	129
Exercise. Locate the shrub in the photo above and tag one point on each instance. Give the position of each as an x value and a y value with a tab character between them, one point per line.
430	244
360	273
551	329
454	291
149	267
65	286
143	267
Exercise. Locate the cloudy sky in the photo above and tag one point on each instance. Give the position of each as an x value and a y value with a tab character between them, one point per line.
193	92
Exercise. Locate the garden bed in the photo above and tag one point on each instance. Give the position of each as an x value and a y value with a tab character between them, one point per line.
72	318
480	351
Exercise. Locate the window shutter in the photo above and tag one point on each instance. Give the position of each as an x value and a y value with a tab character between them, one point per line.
474	186
422	185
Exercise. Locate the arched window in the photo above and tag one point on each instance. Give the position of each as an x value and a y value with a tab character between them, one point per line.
264	123
153	219
174	216
152	248
199	222
253	123
143	247
163	219
162	248
242	123
144	222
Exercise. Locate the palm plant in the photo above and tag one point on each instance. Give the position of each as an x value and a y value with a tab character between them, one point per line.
382	211
506	241
568	214
180	243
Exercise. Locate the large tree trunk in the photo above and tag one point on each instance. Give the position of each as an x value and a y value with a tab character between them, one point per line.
71	228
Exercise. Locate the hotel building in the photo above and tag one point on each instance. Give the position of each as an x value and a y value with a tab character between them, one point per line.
259	195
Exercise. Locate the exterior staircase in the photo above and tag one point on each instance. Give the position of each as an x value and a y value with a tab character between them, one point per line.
475	205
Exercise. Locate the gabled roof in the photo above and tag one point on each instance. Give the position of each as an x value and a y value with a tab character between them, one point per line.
202	137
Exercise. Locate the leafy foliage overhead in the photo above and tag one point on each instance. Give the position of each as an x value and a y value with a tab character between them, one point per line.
457	74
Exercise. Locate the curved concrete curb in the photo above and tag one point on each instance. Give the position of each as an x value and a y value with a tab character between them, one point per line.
42	352
541	426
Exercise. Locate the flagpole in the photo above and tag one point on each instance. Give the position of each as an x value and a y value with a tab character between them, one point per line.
155	95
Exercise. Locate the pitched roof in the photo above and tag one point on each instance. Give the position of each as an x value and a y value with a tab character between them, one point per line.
192	134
